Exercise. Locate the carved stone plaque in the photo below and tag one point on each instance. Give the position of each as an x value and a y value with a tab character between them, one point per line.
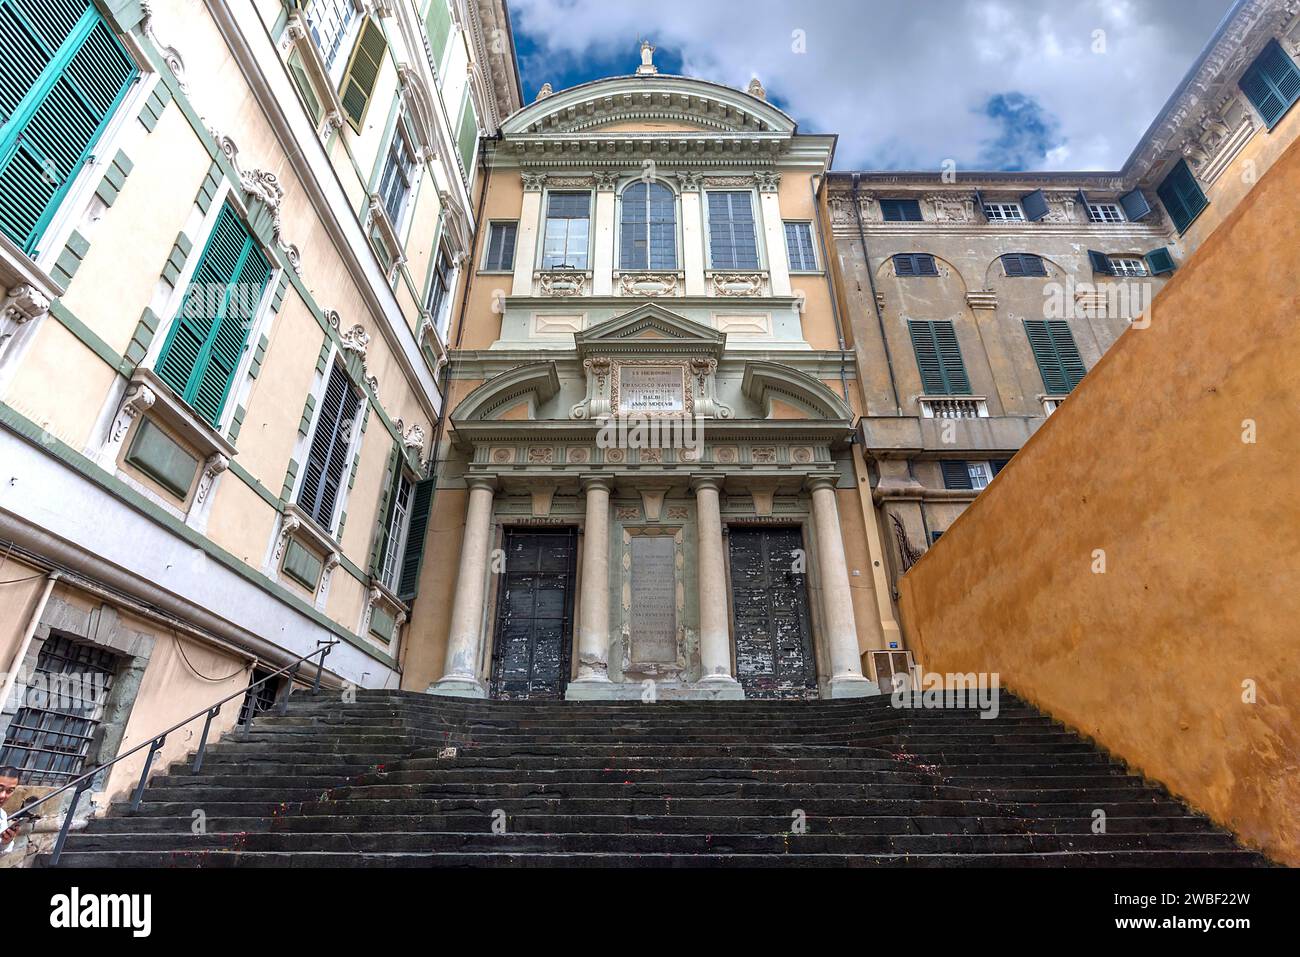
652	611
651	390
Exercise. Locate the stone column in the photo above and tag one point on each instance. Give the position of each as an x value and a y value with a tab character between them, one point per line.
837	601
778	263
530	223
602	238
715	639
692	233
593	598
465	635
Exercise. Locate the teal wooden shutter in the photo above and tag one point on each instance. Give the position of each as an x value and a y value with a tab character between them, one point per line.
416	531
64	76
362	73
1182	196
437	24
467	136
956	474
392	475
1160	261
1056	354
939	357
327	459
1272	83
1100	263
208	336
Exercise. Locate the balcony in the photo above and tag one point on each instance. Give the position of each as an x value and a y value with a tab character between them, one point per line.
954	407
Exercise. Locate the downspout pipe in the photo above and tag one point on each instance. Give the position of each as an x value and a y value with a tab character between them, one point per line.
11	676
875	302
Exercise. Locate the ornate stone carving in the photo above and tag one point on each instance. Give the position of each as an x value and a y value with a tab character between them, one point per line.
413	439
736	283
214	466
332	561
769	181
729	182
290	525
355	340
950	208
563	283
23	303
139	398
606	180
648	284
533	182
263	187
170	54
755	88
541	455
544	92
763	455
572	182
689	181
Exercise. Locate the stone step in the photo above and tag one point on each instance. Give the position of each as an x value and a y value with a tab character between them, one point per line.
209	859
771	842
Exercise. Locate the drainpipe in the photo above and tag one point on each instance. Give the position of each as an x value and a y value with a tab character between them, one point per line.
875	302
11	678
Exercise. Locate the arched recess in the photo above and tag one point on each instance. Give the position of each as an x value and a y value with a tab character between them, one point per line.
765	382
886	270
535	382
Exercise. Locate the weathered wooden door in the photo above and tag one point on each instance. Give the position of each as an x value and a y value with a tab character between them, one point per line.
530	657
773	632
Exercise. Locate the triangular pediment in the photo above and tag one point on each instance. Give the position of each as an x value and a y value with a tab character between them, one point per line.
650	328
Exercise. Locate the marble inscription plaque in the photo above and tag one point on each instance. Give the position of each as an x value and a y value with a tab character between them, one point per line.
652	615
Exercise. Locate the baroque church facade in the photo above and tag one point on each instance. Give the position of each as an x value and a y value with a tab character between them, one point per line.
651	412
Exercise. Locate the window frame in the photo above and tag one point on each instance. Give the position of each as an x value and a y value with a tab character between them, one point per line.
647	224
1097	215
1003	208
1024	257
1125	271
914	258
328	523
336	61
756	212
486	264
394	547
812	245
401	134
545	231
447	284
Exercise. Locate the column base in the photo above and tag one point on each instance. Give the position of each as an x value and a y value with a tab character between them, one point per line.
457	688
852	686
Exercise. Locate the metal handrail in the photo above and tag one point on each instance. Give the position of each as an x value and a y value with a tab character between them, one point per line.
155	743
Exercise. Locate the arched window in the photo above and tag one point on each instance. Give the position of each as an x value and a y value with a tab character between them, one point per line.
648	231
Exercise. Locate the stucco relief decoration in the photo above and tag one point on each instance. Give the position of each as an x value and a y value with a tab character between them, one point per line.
689	181
769	181
533	182
563	283
728	182
355	340
801	455
22	304
263	187
332	561
171	56
413	439
541	455
736	284
615	456
842	212
651	455
139	398
649	285
214	466
727	455
626	513
290	525
763	455
595	405
502	456
579	456
678	513
949	208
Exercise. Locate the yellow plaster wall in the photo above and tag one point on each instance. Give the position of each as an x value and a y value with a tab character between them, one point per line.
1198	600
68	412
426	635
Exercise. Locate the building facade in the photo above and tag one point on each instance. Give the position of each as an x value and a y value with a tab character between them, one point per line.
977	301
648	475
228	247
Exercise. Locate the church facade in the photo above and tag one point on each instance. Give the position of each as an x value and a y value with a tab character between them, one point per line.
651	405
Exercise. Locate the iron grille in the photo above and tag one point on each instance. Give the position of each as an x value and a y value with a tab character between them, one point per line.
52	733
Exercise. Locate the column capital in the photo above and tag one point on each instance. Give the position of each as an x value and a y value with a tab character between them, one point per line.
489	482
714	482
596	482
816	482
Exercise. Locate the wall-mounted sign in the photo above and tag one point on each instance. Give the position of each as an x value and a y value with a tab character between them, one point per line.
651	389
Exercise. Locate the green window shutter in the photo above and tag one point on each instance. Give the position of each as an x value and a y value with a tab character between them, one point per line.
1272	83
956	474
327	459
300	80
437	24
64	76
938	356
419	526
1182	196
359	79
467	135
1056	354
386	501
208	336
1160	261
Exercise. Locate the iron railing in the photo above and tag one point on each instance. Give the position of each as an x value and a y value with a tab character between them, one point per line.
154	744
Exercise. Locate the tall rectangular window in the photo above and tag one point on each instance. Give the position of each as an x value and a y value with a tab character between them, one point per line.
327	459
444	271
501	247
647	227
400	170
208	336
395	531
799	247
65	74
568	227
938	356
328	22
733	241
1056	354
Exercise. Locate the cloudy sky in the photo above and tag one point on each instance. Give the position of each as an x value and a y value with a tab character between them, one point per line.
991	84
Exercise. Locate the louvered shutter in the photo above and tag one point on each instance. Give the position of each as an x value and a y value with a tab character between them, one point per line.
387	502
1100	263
1135	205
1182	196
362	73
419	526
956	474
437	25
1056	354
1272	83
1035	205
327	460
208	336
904	265
1013	265
938	357
998	465
64	74
467	135
1159	261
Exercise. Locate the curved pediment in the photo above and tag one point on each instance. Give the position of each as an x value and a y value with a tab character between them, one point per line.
659	103
526	386
783	392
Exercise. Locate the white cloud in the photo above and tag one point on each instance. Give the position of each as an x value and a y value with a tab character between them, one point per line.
905	84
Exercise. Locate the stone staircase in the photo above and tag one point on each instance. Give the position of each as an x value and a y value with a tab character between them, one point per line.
683	784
